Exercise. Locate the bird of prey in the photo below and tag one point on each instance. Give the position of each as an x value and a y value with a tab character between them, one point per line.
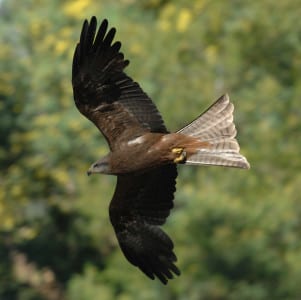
143	154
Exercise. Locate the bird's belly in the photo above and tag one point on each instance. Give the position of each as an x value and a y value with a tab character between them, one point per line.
137	161
136	156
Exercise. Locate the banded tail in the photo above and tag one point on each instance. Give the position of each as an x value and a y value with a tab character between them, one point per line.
215	126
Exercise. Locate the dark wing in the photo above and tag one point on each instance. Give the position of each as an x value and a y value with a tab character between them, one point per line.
104	93
140	203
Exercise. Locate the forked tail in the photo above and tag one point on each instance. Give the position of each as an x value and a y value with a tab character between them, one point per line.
215	126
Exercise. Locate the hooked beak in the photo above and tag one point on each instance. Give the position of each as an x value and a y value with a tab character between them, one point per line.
99	167
90	171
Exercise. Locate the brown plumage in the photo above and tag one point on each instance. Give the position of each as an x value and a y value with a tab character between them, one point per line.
143	154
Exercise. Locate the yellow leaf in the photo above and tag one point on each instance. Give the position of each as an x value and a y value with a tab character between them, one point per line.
61	46
136	48
211	53
184	20
167	12
76	8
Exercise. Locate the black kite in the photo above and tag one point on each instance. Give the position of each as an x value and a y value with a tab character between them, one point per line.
143	154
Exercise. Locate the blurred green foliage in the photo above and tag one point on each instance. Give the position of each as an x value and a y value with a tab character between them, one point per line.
237	233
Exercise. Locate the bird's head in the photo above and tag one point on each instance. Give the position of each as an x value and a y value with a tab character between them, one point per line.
101	166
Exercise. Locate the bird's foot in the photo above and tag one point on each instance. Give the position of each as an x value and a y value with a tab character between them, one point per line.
181	155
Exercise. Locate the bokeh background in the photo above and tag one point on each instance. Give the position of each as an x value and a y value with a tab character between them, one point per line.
237	233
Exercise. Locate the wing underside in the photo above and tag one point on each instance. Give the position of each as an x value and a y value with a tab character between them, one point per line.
140	204
104	93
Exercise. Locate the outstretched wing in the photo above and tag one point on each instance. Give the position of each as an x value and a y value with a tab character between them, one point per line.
104	93
140	203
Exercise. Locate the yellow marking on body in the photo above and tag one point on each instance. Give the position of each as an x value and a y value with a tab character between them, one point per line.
177	150
181	155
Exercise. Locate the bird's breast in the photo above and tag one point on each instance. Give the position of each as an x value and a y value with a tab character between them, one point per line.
139	154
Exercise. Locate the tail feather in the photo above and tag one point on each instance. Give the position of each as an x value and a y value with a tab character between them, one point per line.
215	126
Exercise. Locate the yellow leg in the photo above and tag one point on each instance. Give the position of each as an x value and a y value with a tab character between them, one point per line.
181	155
177	150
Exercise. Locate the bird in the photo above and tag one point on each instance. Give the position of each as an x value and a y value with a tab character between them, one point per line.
143	154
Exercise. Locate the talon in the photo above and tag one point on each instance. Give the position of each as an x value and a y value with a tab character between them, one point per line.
182	155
